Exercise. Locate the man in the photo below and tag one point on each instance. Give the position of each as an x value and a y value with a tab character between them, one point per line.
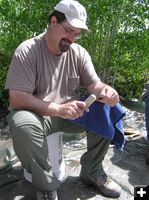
44	80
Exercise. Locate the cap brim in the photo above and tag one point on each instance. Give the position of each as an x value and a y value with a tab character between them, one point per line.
77	23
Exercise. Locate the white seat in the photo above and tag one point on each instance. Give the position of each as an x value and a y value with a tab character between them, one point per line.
55	146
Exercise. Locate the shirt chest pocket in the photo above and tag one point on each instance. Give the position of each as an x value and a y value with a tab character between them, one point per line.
73	85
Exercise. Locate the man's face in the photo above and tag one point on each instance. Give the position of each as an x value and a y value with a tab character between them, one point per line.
61	35
69	35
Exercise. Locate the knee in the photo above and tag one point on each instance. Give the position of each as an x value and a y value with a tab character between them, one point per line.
24	124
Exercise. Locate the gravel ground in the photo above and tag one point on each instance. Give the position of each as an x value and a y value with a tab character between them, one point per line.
127	168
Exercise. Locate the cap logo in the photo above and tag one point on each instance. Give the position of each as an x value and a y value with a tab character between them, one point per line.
82	16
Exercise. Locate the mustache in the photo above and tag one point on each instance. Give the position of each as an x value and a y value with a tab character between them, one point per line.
66	40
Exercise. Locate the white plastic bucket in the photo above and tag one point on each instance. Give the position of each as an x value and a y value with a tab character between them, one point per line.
55	146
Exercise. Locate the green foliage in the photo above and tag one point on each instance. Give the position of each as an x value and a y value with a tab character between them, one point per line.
19	20
22	19
117	42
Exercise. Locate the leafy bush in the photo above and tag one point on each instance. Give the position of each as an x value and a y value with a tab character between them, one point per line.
118	39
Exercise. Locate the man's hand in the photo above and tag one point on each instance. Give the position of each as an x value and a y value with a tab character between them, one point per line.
104	93
108	95
71	110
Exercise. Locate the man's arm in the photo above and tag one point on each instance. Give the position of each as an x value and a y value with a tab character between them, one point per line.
104	93
23	100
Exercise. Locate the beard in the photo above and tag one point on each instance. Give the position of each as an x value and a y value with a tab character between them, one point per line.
64	45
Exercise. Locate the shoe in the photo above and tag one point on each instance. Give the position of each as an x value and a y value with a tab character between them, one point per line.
104	185
47	195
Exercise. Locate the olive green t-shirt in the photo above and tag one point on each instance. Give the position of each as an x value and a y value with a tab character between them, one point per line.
35	70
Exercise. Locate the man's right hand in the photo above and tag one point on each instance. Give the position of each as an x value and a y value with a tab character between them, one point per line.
71	110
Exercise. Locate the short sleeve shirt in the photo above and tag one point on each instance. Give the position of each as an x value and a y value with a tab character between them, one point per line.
35	70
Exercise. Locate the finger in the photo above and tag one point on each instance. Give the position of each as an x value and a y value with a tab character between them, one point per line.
76	113
79	111
81	105
112	101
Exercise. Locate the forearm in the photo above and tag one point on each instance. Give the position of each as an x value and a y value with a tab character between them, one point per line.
69	110
22	100
96	88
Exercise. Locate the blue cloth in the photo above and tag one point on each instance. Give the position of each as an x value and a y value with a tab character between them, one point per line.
105	121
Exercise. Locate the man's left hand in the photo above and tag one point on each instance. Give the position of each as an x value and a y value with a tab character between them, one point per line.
108	95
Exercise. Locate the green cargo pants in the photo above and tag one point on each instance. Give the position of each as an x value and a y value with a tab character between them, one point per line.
29	132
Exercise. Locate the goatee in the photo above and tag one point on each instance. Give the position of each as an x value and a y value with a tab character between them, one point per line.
64	45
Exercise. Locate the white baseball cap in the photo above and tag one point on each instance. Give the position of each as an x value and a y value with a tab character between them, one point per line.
74	12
